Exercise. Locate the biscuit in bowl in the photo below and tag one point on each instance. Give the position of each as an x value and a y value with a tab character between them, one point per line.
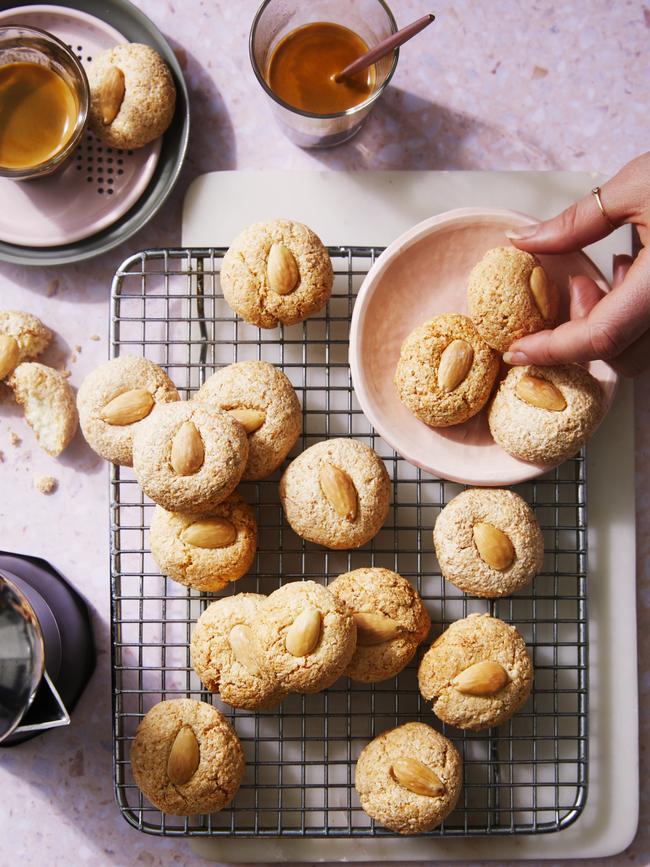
546	414
446	371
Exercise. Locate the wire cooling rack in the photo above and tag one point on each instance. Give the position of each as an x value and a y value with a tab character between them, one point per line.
527	776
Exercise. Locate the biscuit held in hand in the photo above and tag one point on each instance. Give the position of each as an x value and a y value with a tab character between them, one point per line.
614	327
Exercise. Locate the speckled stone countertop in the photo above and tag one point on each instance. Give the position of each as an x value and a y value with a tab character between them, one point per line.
529	84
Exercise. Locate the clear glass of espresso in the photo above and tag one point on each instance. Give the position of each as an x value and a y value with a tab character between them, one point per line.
44	98
296	48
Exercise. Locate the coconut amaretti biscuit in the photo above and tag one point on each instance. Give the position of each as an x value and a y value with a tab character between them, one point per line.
509	295
391	621
336	493
275	273
446	371
488	542
186	758
546	414
409	778
114	399
263	400
477	674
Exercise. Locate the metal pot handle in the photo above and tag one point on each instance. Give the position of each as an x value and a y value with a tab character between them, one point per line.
61	719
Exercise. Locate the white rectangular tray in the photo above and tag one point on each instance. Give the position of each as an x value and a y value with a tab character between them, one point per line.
371	209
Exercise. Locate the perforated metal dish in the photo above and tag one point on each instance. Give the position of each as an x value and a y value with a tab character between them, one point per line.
527	776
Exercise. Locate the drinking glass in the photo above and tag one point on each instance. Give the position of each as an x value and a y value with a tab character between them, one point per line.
32	45
372	20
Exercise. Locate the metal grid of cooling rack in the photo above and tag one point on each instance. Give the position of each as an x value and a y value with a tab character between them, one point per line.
527	776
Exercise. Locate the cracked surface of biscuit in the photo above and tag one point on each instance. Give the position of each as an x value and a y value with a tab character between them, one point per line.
115	442
245	279
309	512
149	100
335	640
221	763
417	374
390	803
48	402
260	386
532	433
385	593
204	568
459	559
476	639
225	452
501	303
242	683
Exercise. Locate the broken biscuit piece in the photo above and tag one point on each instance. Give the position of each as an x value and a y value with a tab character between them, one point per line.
48	402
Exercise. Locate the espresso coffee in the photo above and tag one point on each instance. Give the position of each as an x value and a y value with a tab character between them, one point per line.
38	112
302	68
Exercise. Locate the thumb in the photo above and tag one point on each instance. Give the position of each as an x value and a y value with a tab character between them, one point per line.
584	294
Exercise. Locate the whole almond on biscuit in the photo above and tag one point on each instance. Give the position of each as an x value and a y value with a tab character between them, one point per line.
482	678
455	363
282	270
540	393
187	452
128	407
184	757
417	777
339	490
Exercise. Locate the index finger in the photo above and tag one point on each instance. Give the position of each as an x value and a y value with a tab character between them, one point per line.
623	198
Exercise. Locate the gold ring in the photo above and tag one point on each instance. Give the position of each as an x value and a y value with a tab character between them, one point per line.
596	194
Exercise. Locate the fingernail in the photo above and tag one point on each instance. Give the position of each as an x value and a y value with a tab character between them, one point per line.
617	260
516	357
522	233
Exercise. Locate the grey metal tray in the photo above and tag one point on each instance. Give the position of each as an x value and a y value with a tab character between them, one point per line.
527	776
136	27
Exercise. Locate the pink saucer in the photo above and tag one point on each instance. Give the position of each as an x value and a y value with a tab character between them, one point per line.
98	184
421	274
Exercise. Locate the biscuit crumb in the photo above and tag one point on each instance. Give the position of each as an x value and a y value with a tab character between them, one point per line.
52	288
95	337
73	357
45	484
2	457
77	348
65	373
14	439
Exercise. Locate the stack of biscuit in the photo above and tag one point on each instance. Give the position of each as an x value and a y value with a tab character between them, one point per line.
448	366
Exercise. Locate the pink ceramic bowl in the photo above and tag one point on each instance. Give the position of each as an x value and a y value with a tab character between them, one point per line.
421	274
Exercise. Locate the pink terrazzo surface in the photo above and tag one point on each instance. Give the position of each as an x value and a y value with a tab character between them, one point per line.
499	85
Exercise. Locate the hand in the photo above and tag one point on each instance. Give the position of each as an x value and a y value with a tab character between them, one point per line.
613	326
